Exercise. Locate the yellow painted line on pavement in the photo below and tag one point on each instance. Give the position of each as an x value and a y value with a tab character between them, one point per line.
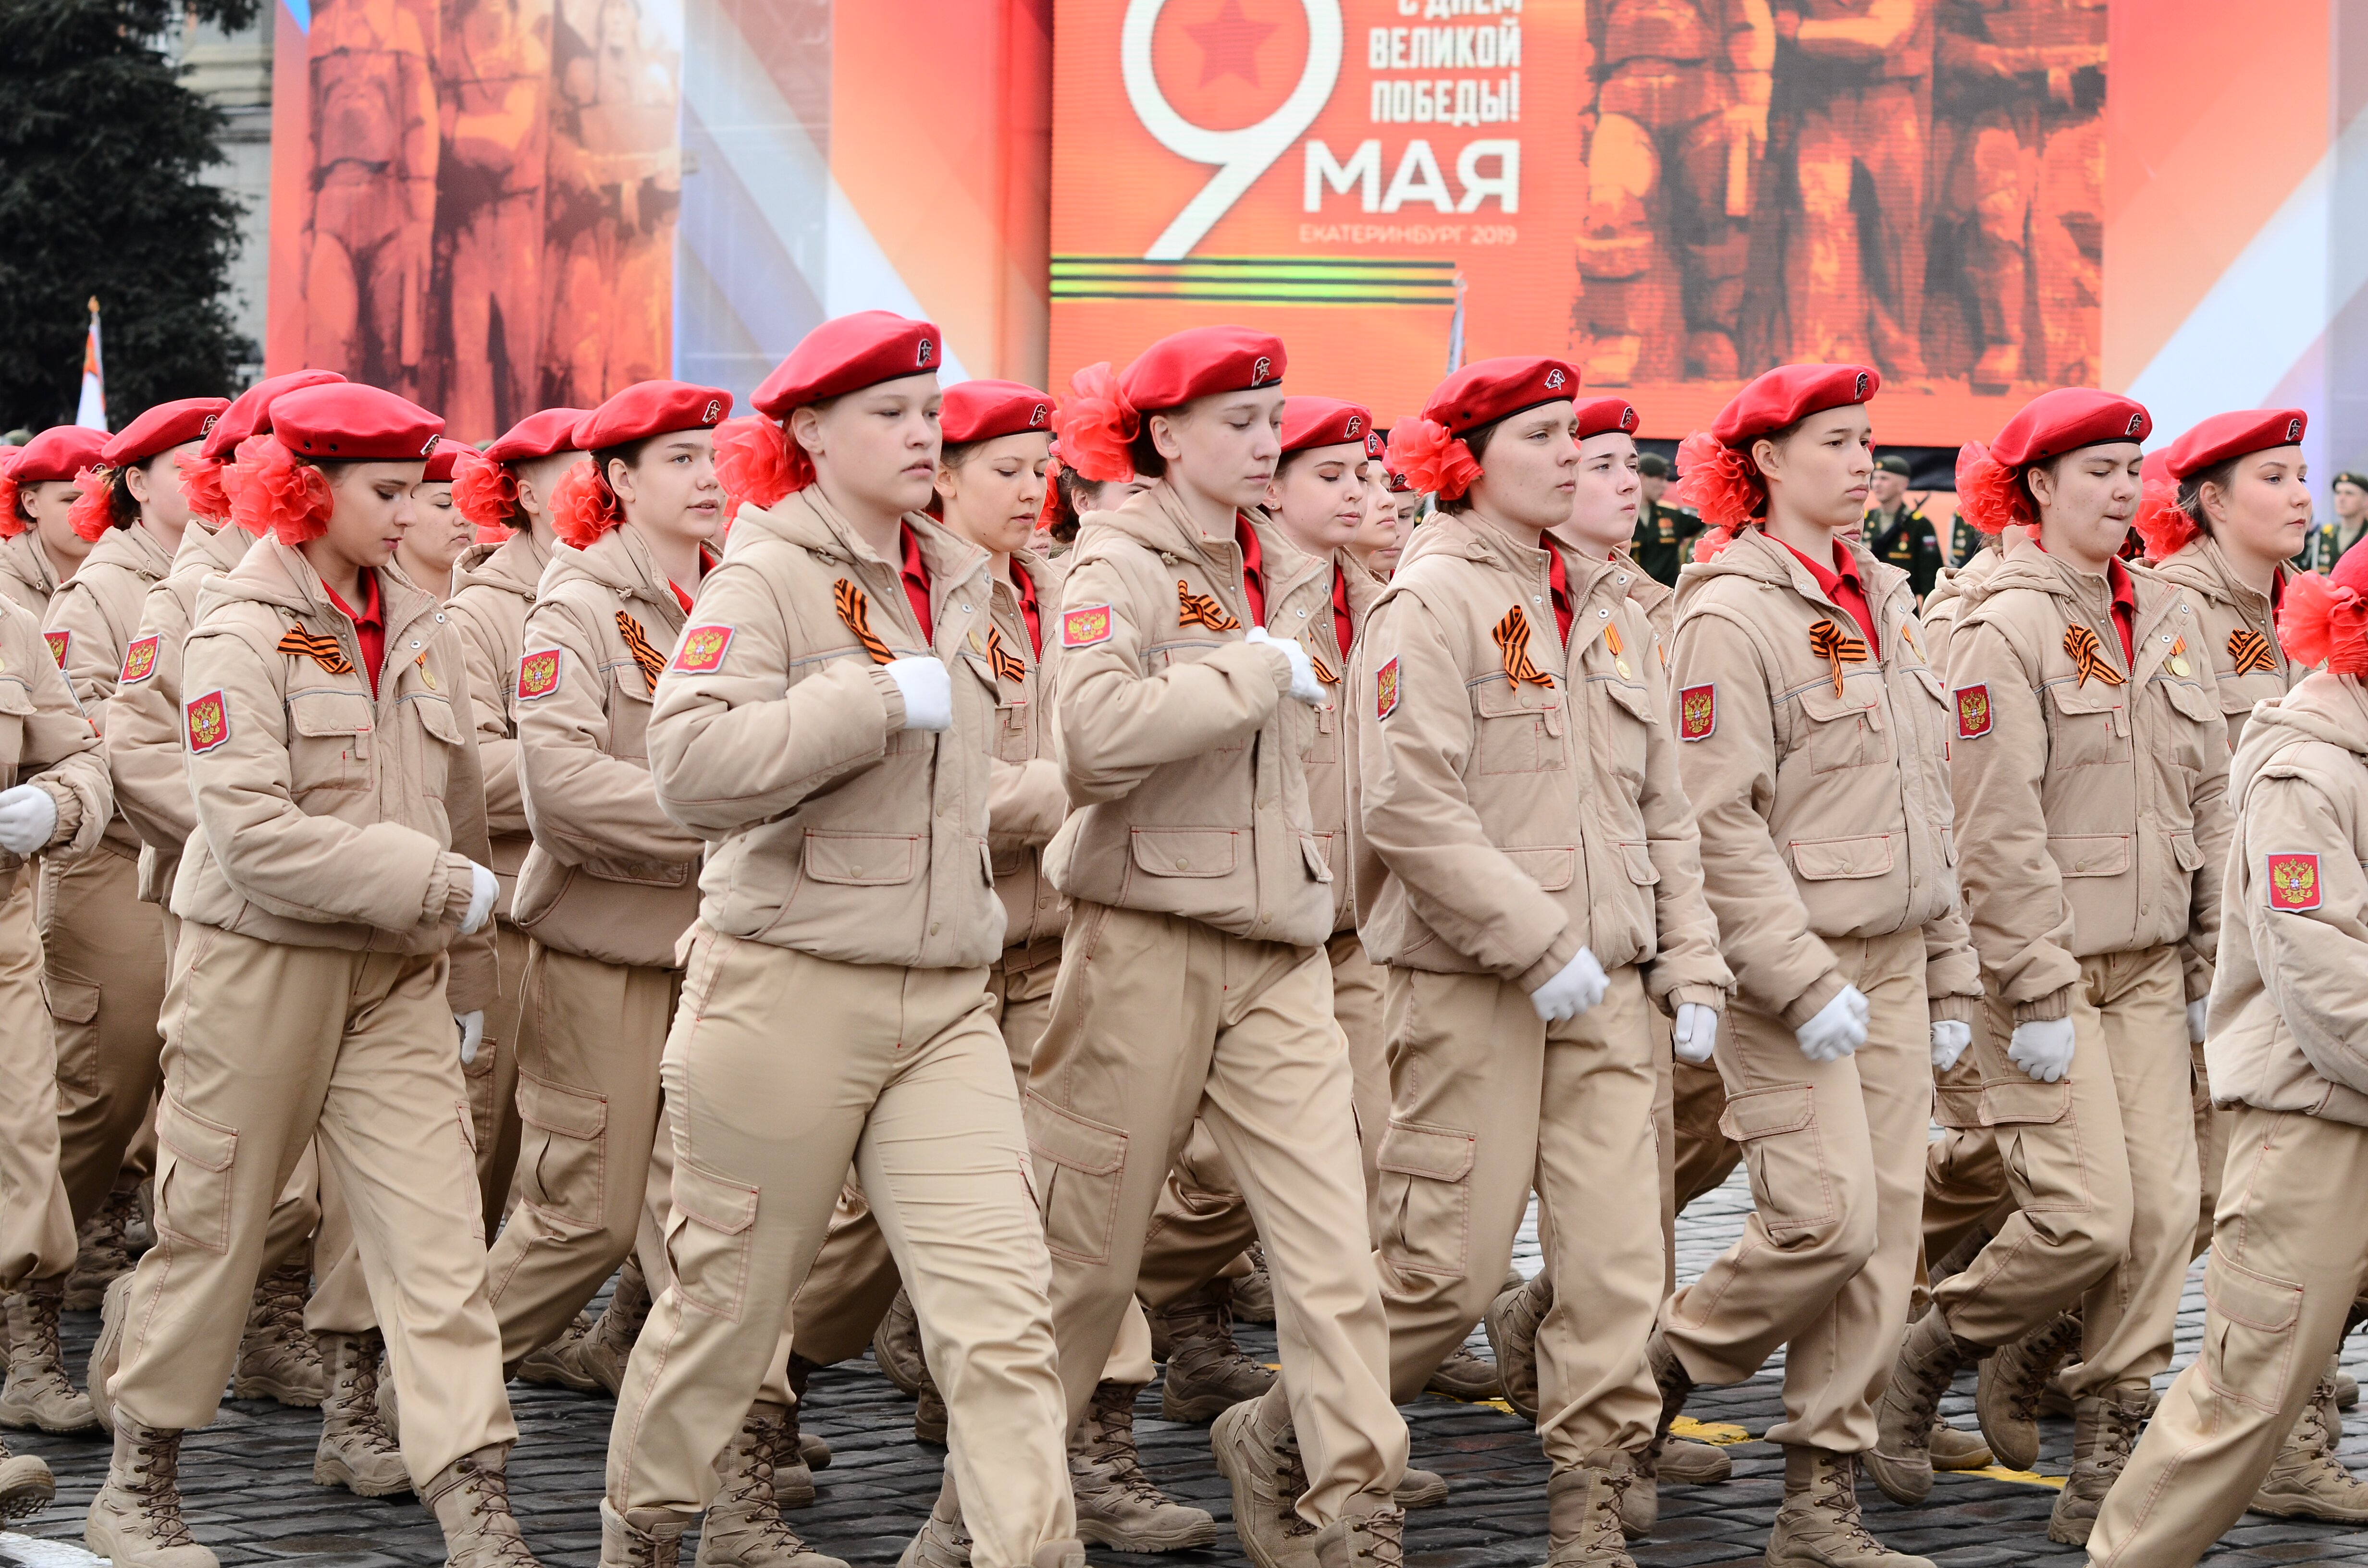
1719	1432
2021	1477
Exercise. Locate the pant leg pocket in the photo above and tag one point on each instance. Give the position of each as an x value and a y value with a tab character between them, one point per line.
193	1164
565	1151
1426	1197
1080	1167
73	1006
2248	1339
711	1232
1786	1155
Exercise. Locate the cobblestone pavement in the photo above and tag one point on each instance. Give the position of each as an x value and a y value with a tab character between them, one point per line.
248	1477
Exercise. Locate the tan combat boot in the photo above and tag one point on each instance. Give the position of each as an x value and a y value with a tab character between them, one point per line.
39	1393
470	1499
645	1538
2306	1481
107	1353
2014	1384
1670	1377
896	1346
1953	1449
1207	1374
1262	1463
1818	1524
1118	1507
1370	1533
929	1417
1583	1511
102	1253
560	1364
610	1346
136	1520
1512	1321
1901	1459
2108	1428
743	1526
1465	1376
1059	1555
1253	1294
803	1454
942	1541
276	1359
357	1451
25	1484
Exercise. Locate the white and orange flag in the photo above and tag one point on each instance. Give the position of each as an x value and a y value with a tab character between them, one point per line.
91	413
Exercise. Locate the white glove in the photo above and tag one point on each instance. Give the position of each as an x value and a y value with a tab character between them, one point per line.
2197	1010
2042	1049
1579	987
1950	1038
473	1034
484	888
27	818
1697	1032
928	690
1839	1029
1303	684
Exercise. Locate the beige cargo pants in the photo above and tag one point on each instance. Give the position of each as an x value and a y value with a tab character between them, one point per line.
103	973
267	1048
1835	1152
2102	1171
1157	1020
2289	1256
37	1228
1490	1101
781	1070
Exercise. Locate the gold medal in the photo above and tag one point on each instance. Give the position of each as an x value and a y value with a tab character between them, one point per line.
2177	662
2178	665
1621	666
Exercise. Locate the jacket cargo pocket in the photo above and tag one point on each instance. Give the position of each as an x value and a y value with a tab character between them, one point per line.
1509	724
328	740
862	860
1426	1197
1325	749
2025	1102
16	707
564	1154
1552	869
2087	726
1842	860
442	727
1011	738
2183	849
2091	855
1628	716
1844	729
1185	851
710	1236
1080	1166
1786	1155
194	1158
1314	848
2248	1339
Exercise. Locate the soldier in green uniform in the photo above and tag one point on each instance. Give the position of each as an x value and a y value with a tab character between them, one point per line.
2329	538
1898	531
1664	532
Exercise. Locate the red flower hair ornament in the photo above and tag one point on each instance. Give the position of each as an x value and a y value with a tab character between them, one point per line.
93	512
583	508
201	485
2321	621
1095	425
758	464
1721	483
1431	459
278	497
486	493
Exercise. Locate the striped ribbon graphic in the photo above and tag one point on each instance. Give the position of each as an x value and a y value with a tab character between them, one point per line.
1005	663
855	614
1828	642
1200	610
322	651
1512	635
2251	651
637	642
2080	644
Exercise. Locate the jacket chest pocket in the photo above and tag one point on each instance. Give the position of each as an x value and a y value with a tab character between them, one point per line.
1844	729
2087	726
1012	741
628	717
2197	722
1628	716
1324	747
329	738
1518	729
15	709
440	740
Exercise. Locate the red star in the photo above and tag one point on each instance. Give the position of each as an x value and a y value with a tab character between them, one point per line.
1229	43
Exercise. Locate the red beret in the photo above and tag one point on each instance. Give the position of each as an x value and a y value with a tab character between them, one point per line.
846	354
651	408
250	410
980	410
1605	416
1309	422
1489	390
59	452
2066	420
443	460
1789	393
345	423
163	428
1201	361
543	435
2226	436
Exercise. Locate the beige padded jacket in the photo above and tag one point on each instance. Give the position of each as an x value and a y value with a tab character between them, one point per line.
1519	797
26	575
493	588
93	618
2290	994
1026	801
45	741
779	736
1823	806
2240	634
610	876
1186	762
2091	807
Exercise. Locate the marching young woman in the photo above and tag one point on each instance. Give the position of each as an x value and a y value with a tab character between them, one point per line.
431	547
1536	890
38	547
825	723
1194	979
492	590
54	800
1810	732
2090	761
2289	1253
337	863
